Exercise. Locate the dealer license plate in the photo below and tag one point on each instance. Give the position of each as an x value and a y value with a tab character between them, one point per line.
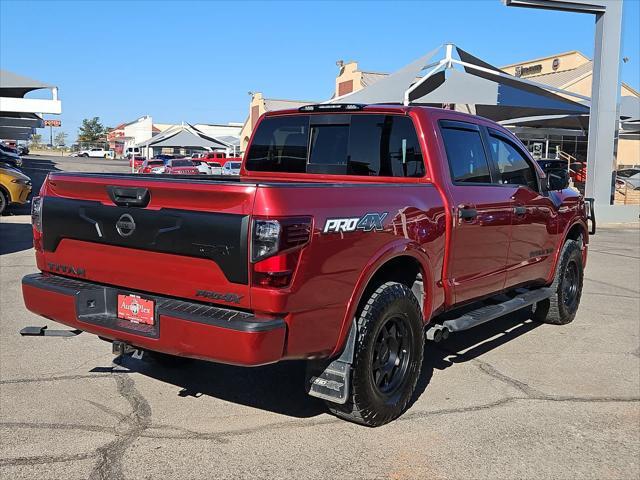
135	309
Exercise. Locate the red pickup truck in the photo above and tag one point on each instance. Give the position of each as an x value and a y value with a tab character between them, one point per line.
353	233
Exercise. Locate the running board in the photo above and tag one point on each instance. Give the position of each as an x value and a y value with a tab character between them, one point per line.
487	313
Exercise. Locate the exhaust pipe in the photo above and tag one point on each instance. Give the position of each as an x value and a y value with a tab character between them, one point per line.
437	333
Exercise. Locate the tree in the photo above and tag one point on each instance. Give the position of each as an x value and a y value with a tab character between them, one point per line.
92	131
60	139
36	139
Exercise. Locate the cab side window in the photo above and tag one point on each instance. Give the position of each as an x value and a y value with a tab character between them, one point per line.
465	151
511	164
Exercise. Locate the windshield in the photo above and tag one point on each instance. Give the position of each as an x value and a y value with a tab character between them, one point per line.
235	165
343	144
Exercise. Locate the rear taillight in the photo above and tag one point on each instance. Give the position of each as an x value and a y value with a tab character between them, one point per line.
36	221
275	249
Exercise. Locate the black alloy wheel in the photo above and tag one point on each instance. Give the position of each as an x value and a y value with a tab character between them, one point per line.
391	355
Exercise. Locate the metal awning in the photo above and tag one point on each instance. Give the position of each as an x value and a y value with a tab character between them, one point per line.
14	85
467	80
183	137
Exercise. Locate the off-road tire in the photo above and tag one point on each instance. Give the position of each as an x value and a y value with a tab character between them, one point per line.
391	304
4	202
562	306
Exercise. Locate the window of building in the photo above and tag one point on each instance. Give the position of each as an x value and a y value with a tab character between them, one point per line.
465	153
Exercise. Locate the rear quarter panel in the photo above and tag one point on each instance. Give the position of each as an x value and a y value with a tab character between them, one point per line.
335	267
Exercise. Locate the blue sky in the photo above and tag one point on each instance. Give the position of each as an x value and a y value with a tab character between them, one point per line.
196	61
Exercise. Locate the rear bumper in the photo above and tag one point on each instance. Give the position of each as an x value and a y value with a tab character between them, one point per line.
181	328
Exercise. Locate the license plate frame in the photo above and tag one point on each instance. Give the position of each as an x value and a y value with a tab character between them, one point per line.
135	309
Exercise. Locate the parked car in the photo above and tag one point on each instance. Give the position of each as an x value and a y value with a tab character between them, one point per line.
136	163
578	172
351	236
195	156
131	152
629	178
231	168
11	159
165	157
152	166
180	166
215	167
202	166
96	153
216	156
23	150
4	147
15	187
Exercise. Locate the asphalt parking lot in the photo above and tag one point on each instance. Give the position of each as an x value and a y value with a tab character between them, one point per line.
510	399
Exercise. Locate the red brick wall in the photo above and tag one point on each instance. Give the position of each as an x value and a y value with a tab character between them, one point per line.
345	87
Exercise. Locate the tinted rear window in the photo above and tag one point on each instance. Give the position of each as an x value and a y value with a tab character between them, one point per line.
368	145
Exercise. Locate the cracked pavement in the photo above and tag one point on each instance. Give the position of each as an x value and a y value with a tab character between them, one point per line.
509	399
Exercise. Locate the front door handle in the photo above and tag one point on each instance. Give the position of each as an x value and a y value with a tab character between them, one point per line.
467	213
520	210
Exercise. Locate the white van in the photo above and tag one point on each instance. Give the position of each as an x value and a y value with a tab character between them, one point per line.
132	152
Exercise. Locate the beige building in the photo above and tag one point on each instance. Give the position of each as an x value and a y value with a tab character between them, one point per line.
571	71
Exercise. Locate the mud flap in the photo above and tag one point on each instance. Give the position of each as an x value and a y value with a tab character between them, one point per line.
332	382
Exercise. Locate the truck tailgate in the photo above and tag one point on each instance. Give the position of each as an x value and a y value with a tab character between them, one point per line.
184	238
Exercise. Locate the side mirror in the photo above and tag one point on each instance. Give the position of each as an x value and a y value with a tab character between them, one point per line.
557	180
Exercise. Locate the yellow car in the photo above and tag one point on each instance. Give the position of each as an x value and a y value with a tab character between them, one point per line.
15	187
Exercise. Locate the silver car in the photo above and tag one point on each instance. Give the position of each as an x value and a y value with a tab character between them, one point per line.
231	168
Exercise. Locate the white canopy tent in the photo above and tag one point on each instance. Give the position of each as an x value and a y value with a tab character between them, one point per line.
471	85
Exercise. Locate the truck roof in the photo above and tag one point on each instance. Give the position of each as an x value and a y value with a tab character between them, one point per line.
381	108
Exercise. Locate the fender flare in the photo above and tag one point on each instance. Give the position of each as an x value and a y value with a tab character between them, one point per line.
401	248
565	234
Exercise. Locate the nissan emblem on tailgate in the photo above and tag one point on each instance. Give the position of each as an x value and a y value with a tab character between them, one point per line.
125	225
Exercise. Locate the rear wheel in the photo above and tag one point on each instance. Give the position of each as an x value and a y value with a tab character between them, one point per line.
387	358
562	306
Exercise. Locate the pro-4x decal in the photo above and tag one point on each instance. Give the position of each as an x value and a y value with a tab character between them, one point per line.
369	222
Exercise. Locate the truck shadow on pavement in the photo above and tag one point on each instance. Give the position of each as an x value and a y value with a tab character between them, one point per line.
279	388
466	346
15	237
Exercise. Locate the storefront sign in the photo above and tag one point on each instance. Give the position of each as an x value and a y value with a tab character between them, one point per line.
532	70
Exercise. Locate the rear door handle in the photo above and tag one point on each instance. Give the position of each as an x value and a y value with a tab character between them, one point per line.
520	210
467	213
